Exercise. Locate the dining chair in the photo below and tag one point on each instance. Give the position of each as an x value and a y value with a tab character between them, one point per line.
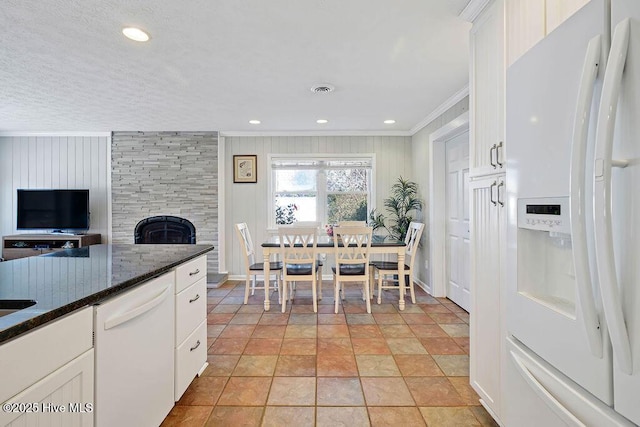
253	268
299	251
352	247
383	269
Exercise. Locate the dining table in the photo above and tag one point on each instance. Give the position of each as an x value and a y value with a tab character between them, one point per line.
325	244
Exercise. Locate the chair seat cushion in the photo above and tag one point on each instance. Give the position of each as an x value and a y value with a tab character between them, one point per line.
385	265
350	270
275	265
301	269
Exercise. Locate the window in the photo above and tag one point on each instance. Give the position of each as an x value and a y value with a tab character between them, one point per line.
323	189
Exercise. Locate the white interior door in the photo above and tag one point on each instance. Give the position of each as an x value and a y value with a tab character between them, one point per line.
457	214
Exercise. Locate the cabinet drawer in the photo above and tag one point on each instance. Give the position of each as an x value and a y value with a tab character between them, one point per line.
23	361
191	309
190	358
191	272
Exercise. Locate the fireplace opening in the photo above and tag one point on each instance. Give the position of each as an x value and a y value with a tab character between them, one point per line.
165	229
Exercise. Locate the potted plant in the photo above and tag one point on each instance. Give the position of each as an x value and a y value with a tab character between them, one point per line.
402	201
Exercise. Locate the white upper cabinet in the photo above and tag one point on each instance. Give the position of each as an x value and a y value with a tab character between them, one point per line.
529	21
487	150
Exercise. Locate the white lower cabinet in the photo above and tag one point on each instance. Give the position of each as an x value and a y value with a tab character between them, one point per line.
488	225
48	375
191	323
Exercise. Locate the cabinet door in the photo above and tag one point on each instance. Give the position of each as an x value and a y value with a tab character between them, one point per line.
557	11
487	251
487	150
525	21
62	398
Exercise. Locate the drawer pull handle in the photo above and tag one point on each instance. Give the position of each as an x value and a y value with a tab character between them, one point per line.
195	346
197	297
193	273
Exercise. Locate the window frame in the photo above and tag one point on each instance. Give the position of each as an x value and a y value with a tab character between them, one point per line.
321	185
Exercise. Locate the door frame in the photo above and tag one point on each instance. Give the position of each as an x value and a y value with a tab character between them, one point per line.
437	206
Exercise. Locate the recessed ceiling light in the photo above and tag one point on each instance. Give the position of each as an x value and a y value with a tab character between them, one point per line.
254	122
135	34
389	122
322	121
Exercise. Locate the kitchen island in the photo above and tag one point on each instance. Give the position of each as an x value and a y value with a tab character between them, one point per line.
59	343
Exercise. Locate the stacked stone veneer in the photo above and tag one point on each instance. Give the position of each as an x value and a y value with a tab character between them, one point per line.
166	173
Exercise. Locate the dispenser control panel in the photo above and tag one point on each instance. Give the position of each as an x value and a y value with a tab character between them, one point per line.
545	214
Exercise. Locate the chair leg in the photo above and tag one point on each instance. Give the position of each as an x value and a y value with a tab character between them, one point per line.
380	287
246	290
284	295
413	293
336	294
366	292
314	294
320	283
253	286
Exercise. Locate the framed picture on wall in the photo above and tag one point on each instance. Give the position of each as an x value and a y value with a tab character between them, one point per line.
245	168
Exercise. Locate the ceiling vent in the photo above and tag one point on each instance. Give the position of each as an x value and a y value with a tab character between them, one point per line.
322	88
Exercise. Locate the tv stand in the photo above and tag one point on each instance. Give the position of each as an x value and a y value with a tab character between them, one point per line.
26	245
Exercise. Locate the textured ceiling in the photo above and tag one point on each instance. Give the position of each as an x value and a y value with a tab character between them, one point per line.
215	64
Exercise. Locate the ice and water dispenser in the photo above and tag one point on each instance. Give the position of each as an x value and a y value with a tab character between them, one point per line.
545	259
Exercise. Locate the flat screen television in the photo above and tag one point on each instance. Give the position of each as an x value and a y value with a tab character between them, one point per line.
55	210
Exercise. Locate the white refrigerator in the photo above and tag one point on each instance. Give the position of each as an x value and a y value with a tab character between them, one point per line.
573	223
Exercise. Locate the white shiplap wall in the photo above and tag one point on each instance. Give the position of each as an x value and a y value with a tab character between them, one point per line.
248	202
55	162
420	159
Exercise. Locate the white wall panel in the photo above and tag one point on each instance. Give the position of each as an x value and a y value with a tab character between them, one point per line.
54	162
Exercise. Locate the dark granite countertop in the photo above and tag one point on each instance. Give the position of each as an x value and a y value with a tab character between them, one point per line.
65	281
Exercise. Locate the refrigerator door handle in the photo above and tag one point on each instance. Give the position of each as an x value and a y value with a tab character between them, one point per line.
119	319
578	200
611	300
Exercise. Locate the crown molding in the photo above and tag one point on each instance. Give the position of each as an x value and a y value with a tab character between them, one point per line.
453	100
74	133
473	9
317	133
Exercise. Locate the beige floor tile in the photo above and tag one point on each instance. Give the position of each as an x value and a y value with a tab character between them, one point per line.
386	392
195	416
221	365
203	391
433	391
456	330
339	392
417	365
377	366
292	391
228	346
255	366
296	366
301	331
263	346
405	346
365	331
370	346
269	331
396	331
449	417
388	319
395	416
360	319
336	366
235	416
483	416
280	416
453	365
342	416
333	331
299	346
245	391
464	389
334	346
237	331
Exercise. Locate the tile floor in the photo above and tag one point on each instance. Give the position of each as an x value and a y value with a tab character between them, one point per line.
388	368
